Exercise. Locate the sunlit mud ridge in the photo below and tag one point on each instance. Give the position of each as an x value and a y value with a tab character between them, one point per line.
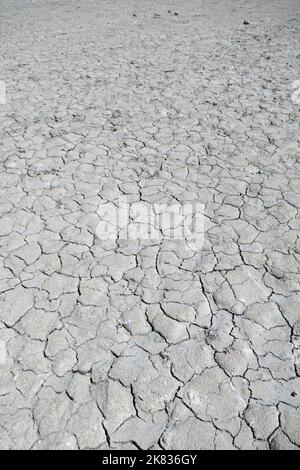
138	341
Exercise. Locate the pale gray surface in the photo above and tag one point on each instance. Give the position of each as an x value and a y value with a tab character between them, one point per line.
128	346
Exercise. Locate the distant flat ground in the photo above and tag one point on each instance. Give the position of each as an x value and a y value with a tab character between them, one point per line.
108	342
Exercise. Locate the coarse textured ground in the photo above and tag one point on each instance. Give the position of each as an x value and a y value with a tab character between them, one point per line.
124	344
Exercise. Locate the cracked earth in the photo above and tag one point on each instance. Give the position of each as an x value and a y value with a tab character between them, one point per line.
119	344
